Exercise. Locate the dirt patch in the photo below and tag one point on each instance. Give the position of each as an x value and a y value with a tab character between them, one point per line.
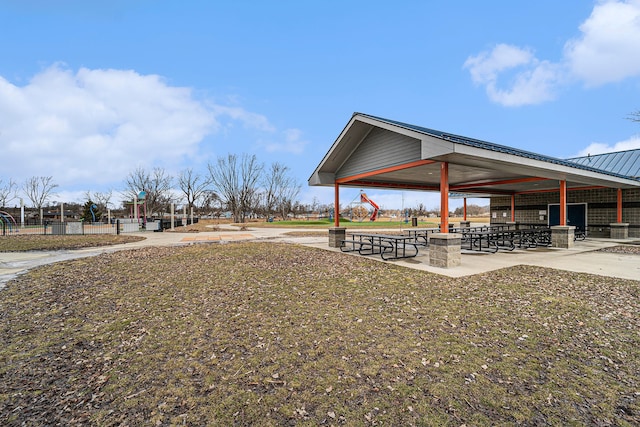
623	249
17	243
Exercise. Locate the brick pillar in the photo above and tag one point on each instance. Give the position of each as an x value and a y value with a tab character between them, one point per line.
619	230
514	225
336	235
444	250
562	236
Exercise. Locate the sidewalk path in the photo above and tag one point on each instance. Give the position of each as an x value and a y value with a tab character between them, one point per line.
583	257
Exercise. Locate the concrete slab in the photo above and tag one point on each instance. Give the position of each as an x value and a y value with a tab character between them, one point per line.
583	257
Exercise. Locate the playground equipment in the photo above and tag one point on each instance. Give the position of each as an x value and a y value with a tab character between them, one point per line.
7	221
139	202
376	208
92	209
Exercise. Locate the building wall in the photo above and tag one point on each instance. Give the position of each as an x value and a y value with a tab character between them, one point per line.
601	209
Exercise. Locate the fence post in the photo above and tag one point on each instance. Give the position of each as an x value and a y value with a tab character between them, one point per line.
118	227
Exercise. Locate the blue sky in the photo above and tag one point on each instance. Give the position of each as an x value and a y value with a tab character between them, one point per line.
91	90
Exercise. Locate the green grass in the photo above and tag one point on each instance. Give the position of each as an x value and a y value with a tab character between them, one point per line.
276	334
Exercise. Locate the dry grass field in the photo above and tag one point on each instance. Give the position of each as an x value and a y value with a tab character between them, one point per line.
279	334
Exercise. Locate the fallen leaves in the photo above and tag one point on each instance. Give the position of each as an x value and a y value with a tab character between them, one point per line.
265	333
27	242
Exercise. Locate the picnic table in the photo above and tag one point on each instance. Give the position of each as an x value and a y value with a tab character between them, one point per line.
421	235
388	246
493	239
479	240
532	237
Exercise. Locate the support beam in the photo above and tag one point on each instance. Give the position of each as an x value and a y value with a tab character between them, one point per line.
513	208
336	205
444	197
553	190
464	209
385	170
391	185
462	187
563	203
619	206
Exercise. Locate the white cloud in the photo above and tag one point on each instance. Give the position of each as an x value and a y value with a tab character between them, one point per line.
605	52
88	129
248	119
291	142
533	81
632	143
486	66
96	125
607	49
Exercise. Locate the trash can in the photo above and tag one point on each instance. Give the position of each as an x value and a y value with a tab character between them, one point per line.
414	221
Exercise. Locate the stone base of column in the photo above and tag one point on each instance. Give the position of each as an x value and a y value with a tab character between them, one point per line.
562	236
465	224
336	236
444	250
619	230
514	225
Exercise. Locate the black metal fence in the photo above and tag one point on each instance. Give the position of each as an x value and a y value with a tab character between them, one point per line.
60	228
33	227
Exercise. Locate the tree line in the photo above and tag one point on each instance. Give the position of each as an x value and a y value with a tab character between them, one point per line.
237	184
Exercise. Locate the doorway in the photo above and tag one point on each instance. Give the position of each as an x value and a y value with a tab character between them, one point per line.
576	215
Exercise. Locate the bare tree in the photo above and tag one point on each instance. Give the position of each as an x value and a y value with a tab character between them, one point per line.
7	192
237	183
280	189
39	189
212	203
193	185
103	199
635	116
156	184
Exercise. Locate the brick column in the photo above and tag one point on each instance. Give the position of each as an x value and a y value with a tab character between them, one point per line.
444	250
514	225
562	236
619	230
336	235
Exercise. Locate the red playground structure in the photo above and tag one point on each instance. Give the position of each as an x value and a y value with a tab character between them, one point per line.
376	208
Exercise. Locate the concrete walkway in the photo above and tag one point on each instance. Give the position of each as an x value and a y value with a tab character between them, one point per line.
583	257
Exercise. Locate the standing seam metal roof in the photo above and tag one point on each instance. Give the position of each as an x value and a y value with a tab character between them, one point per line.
509	150
625	163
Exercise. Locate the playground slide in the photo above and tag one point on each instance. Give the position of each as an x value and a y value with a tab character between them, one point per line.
376	208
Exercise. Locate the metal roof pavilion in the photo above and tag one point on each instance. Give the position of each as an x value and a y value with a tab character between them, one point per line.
625	163
376	152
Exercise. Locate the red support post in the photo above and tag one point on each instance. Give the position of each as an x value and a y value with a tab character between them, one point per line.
513	208
464	210
563	202
619	207
444	197
336	205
